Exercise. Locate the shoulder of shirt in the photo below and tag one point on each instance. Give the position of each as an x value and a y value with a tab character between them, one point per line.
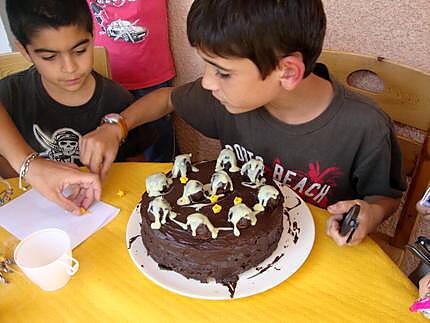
358	105
183	91
17	83
112	88
363	107
193	86
20	76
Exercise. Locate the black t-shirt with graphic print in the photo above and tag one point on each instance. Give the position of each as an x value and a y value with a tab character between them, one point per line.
53	129
349	151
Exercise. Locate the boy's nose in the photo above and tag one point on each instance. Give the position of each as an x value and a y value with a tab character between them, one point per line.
69	64
209	81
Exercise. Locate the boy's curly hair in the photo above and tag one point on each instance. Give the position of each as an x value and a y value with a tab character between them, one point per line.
263	31
27	17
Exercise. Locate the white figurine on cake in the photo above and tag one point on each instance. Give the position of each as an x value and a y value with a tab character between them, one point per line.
265	194
220	181
254	170
239	212
193	192
181	165
160	208
157	184
195	219
227	159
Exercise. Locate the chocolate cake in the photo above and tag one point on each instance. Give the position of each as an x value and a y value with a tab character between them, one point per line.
211	219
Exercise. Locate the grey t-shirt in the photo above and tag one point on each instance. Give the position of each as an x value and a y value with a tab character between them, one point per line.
349	151
53	129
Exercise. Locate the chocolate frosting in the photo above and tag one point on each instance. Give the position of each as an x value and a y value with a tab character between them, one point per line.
224	257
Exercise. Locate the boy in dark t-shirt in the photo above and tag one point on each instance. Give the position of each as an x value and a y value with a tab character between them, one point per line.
59	98
263	95
46	176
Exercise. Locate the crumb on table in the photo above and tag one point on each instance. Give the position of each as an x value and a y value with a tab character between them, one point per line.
121	193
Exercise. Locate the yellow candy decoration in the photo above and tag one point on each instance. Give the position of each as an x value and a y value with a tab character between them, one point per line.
216	208
214	198
183	179
237	200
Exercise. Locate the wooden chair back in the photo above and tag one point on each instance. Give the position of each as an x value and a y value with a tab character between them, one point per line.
14	62
405	97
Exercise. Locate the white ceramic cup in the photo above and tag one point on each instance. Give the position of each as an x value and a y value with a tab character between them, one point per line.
45	257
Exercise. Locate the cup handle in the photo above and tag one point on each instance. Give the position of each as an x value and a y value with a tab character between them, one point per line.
70	269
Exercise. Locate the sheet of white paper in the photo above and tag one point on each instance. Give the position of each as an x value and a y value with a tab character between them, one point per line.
31	212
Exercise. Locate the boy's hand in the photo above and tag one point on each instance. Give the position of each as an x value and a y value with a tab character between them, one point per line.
52	178
367	219
424	210
98	148
424	288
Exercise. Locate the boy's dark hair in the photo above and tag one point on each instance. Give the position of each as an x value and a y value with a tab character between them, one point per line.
27	17
263	31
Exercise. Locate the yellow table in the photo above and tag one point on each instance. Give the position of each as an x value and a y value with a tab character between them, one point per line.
357	284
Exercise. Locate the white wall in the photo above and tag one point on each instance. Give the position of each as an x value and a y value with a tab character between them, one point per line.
397	30
4	41
5	35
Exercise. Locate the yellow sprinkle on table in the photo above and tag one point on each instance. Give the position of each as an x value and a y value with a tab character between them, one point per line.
214	198
83	210
216	208
120	193
183	179
237	200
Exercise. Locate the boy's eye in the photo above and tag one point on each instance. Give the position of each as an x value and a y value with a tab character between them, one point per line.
48	58
80	51
222	75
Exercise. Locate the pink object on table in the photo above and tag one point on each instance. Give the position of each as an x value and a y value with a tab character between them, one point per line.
421	305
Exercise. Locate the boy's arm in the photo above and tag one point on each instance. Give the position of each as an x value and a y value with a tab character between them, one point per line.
98	148
373	210
48	177
12	145
379	169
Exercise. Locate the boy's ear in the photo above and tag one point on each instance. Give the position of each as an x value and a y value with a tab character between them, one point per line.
23	51
292	70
